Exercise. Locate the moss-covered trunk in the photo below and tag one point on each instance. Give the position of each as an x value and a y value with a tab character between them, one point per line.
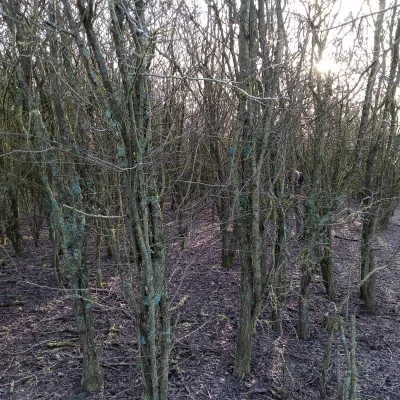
74	263
131	121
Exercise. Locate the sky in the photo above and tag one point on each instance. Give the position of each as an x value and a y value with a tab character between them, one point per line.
346	10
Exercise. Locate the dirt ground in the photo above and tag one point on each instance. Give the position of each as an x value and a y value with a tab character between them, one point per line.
39	350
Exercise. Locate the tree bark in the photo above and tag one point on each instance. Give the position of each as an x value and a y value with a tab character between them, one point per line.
326	262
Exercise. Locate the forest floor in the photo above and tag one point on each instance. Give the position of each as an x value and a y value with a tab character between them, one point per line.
39	349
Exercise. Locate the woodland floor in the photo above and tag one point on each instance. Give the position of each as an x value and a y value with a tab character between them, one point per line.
40	356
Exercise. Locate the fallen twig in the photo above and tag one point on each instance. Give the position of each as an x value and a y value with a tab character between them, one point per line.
346	238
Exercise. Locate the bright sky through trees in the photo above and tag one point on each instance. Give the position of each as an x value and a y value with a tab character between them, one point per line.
341	12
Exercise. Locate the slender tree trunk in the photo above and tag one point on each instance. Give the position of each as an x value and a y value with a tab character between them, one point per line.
55	241
228	241
246	319
278	284
133	117
73	228
249	241
369	92
13	227
326	262
367	290
99	280
3	217
376	162
304	329
307	272
76	236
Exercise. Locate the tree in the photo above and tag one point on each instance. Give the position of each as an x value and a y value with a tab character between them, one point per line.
379	151
70	224
130	116
254	127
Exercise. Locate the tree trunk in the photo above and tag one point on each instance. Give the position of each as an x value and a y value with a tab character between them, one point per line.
228	242
99	280
246	320
75	263
249	240
148	248
367	290
55	243
304	329
248	180
228	249
326	262
13	227
278	277
307	272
